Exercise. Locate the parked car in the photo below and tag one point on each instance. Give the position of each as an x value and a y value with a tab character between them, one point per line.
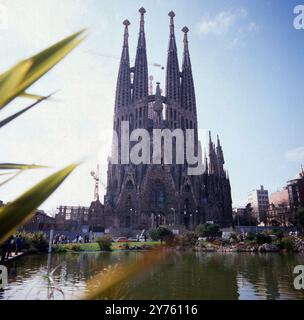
122	239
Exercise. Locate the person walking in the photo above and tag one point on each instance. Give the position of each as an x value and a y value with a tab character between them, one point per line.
6	249
10	247
18	243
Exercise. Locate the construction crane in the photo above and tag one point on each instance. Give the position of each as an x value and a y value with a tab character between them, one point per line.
96	177
152	64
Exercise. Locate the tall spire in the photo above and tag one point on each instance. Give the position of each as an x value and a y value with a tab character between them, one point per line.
206	162
140	86
220	157
173	72
188	99
213	165
123	89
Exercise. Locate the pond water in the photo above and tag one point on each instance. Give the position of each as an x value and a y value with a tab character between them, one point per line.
178	276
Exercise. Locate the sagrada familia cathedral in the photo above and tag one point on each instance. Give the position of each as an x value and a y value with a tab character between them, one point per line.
144	196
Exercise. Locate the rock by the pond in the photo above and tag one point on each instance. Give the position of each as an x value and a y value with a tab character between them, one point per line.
299	245
268	247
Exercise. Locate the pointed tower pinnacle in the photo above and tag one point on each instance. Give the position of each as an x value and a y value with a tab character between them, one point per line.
188	99
142	12
140	86
123	89
171	14
173	72
213	165
126	23
158	106
220	158
206	162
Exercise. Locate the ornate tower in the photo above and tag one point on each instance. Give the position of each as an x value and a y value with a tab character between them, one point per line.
123	89
140	85
173	73
187	88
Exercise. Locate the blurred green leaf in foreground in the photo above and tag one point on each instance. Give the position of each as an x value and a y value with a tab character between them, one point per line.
13	84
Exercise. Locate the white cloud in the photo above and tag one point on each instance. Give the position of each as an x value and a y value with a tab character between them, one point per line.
242	33
253	27
295	155
233	23
221	23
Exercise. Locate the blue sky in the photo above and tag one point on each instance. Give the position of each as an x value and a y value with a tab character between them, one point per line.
247	62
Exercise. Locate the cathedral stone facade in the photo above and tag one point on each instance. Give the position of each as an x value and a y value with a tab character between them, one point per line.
145	196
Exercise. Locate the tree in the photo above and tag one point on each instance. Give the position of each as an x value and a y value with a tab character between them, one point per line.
161	234
248	219
300	218
105	243
208	230
188	239
262	238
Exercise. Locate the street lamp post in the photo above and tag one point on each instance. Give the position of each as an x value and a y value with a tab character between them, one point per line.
131	217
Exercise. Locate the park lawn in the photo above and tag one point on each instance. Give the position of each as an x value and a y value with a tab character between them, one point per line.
93	247
118	245
82	246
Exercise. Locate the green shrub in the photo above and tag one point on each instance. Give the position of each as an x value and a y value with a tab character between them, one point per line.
161	234
278	233
40	242
188	239
34	242
208	230
125	246
59	248
234	237
26	240
75	247
287	244
105	243
32	250
262	238
300	218
251	242
250	236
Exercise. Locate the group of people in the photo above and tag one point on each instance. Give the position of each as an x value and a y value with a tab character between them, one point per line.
80	239
60	239
12	245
